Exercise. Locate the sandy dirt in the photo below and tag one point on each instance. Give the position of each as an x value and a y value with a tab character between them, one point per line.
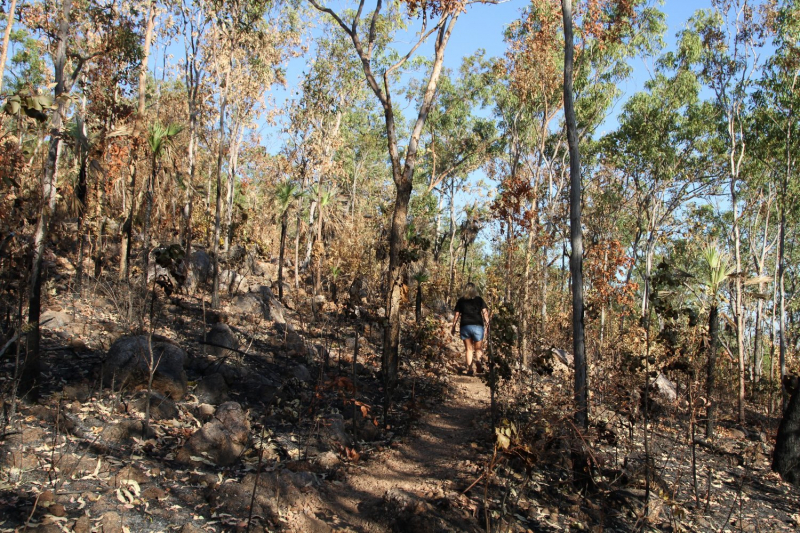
411	486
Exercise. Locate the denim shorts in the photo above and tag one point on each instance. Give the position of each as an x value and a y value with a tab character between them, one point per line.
472	331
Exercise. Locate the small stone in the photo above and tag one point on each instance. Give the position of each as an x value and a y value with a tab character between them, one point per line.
205	411
57	510
47	496
82	525
154	493
111	523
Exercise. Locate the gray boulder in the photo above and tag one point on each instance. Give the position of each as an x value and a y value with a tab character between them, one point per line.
249	304
212	390
220	441
129	363
161	407
200	268
220	338
54	319
232	282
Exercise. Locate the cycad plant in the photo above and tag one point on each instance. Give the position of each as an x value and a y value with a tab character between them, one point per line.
716	270
285	193
160	139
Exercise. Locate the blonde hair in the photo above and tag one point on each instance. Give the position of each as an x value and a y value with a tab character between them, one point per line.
470	291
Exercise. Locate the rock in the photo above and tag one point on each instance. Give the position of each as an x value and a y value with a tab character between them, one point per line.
124	431
737	434
54	319
57	510
219	339
199	270
222	440
328	460
212	389
564	356
271	306
301	373
82	525
127	365
161	407
205	411
249	304
333	432
111	522
259	388
232	282
267	270
665	388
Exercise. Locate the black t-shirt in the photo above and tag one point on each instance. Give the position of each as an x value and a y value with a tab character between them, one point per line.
470	309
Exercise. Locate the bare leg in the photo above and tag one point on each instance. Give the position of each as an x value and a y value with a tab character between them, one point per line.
478	352
469	346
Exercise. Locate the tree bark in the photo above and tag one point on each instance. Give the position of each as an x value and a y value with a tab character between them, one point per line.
6	39
31	369
233	162
713	342
576	236
218	212
284	223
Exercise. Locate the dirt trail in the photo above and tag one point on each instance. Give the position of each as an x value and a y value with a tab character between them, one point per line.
409	487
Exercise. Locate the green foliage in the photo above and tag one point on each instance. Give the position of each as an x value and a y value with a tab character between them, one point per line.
161	137
32	104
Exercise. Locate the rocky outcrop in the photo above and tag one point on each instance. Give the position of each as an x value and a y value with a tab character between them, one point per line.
220	441
131	360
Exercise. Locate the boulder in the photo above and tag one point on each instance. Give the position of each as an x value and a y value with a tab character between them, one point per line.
220	441
301	373
128	365
219	339
266	270
333	432
199	269
212	389
161	407
232	282
665	388
54	319
249	304
564	356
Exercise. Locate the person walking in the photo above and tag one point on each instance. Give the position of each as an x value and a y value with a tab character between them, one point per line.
472	316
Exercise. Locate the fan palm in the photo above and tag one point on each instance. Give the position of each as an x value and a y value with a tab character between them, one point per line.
160	139
716	271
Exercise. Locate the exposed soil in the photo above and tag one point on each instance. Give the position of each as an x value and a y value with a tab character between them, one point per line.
316	454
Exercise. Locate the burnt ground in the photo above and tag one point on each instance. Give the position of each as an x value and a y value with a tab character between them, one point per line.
320	457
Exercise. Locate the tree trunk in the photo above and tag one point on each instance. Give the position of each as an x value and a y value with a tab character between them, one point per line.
418	305
738	304
218	211
524	334
284	223
576	237
6	39
713	341
452	258
31	370
233	162
127	227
